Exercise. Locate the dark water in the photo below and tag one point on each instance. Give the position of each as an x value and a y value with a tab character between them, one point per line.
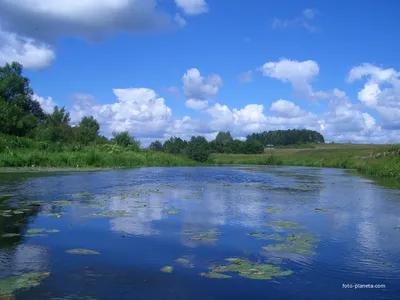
358	242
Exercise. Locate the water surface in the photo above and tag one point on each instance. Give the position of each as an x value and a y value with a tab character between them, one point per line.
140	221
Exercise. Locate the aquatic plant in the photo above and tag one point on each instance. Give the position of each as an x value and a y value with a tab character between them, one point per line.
215	275
167	269
185	262
174	211
8	235
251	270
35	230
300	243
285	225
111	214
8	285
274	209
82	251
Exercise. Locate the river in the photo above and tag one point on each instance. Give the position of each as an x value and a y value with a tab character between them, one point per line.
241	232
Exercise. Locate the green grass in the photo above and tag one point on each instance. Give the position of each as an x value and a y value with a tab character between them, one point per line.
90	158
346	156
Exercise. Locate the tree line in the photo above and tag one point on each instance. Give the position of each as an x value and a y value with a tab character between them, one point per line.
22	116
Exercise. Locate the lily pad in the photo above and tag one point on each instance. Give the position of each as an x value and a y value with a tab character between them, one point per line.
52	230
251	270
6	215
274	209
64	203
320	210
185	262
174	211
111	214
82	251
274	261
36	230
167	269
7	235
9	285
206	236
36	235
18	212
257	235
53	214
81	195
215	275
285	225
292	247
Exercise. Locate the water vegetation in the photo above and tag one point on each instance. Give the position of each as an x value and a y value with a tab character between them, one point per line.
215	275
301	243
110	214
81	251
184	262
284	224
11	284
250	270
167	269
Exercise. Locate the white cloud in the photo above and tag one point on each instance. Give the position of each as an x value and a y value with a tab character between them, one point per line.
304	20
199	90
180	20
381	92
287	109
299	74
31	54
47	104
246	77
29	28
192	7
196	104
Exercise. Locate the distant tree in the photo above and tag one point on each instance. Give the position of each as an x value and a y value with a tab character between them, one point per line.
198	149
56	127
222	142
123	139
175	145
87	130
156	146
253	147
287	137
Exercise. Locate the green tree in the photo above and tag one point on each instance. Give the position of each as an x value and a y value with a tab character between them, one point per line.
19	113
124	139
223	142
175	145
198	149
88	130
156	146
253	147
56	127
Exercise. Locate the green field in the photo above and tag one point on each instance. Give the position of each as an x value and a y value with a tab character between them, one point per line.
347	156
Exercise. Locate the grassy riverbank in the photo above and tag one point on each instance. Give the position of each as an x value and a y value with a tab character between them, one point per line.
346	156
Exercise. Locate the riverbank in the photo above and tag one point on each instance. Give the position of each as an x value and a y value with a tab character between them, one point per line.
344	156
362	158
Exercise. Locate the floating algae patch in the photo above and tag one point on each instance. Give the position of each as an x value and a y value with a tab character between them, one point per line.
274	209
274	261
320	210
167	269
174	211
258	235
81	195
53	214
184	262
285	225
111	214
215	275
64	203
8	285
211	236
9	235
301	243
35	230
251	270
52	230
82	251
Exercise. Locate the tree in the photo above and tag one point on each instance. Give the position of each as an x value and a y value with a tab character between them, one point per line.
156	146
19	113
175	145
253	147
88	130
124	139
198	149
222	142
56	127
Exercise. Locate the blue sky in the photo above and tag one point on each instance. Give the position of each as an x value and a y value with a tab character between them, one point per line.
324	65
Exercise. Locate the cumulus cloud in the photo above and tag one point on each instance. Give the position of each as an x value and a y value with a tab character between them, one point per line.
192	7
381	92
29	28
199	90
47	104
287	109
246	77
304	21
299	74
30	53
